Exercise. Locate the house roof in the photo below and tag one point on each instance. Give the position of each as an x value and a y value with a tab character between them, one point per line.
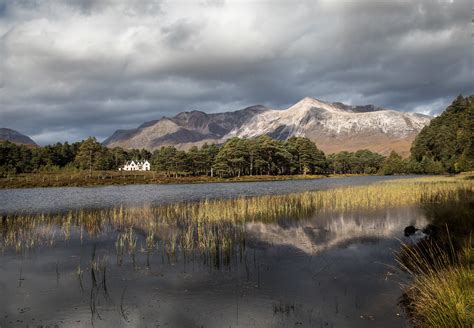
137	162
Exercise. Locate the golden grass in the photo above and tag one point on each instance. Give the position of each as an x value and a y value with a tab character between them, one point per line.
23	231
441	290
376	196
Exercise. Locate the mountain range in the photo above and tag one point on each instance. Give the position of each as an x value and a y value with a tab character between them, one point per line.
16	137
333	126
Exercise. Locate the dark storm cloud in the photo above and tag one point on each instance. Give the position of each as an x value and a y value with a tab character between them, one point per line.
76	68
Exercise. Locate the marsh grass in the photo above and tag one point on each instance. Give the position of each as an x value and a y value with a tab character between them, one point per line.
214	229
218	225
440	291
441	288
345	199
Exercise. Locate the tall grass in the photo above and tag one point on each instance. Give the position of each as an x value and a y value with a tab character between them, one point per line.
269	208
201	221
440	292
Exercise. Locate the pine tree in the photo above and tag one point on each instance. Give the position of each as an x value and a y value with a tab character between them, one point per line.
90	155
394	164
449	138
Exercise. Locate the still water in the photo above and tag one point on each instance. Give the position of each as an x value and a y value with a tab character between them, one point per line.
318	270
56	199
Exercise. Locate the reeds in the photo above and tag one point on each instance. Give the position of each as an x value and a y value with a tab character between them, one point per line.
299	205
441	289
216	224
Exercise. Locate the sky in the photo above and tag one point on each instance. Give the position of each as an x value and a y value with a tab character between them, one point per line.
76	68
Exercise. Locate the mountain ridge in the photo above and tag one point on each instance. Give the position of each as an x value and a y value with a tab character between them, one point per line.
16	137
333	126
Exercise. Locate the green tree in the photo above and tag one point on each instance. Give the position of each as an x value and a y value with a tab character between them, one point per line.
267	149
394	164
163	160
341	163
366	162
449	138
231	158
305	156
208	155
90	155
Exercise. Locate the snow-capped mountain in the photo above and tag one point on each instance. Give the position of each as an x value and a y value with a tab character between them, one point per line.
332	126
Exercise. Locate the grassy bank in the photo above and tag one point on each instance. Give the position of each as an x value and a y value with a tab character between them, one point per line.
441	289
440	292
104	178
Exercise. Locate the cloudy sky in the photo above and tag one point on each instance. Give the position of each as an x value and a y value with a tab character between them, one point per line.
70	69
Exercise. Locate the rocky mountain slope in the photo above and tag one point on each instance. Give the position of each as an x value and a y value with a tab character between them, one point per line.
333	126
16	137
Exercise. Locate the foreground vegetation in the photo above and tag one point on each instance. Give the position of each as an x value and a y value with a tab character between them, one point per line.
391	194
376	196
440	292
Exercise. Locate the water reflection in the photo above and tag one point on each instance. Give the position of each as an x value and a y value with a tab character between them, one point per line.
335	230
106	269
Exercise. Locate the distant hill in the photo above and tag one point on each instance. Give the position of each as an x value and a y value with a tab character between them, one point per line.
16	137
332	126
449	138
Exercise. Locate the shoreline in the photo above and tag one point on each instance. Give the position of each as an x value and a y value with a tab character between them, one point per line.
114	178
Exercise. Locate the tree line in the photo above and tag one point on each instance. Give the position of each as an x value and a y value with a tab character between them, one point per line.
84	155
242	156
236	157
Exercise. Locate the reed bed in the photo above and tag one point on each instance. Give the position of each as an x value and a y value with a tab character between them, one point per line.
205	223
441	289
269	208
440	292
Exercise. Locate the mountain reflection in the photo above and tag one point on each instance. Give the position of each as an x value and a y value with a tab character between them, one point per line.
337	230
149	230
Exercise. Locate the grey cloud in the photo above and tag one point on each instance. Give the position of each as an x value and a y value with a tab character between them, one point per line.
78	68
181	34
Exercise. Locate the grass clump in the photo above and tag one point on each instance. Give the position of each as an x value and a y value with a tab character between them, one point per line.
441	289
440	293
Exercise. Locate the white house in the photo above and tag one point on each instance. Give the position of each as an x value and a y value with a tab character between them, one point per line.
136	166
